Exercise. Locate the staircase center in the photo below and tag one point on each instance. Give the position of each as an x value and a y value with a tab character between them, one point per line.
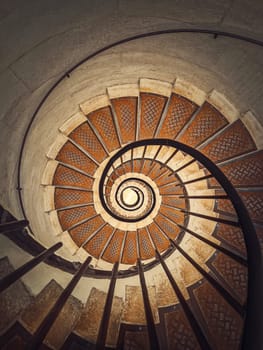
130	197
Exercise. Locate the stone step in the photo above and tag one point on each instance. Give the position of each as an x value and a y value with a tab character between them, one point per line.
72	155
178	113
36	311
85	137
233	141
233	274
133	312
207	122
245	171
66	198
73	216
14	299
178	332
88	324
102	122
231	236
224	326
253	200
151	109
126	113
82	232
135	339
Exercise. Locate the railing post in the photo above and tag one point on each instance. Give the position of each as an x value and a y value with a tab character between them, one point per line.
224	293
153	338
188	312
227	252
15	275
13	225
51	317
104	324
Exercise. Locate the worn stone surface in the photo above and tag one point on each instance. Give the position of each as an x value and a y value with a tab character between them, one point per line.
64	323
165	294
115	319
134	308
13	300
89	322
34	314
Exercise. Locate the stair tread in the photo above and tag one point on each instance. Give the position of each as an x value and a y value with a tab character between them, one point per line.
233	141
83	231
89	322
70	197
14	299
178	114
114	248
40	306
233	273
252	200
130	253
70	217
103	121
244	172
70	154
65	176
133	312
126	111
206	123
224	324
151	110
96	244
232	236
179	334
85	137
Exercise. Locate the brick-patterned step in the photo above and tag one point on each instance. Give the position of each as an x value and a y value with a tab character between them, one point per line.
232	236
245	171
223	323
72	155
103	122
253	200
84	136
232	273
126	113
152	107
179	334
178	114
233	141
207	122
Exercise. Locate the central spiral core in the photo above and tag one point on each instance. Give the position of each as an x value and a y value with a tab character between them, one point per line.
131	198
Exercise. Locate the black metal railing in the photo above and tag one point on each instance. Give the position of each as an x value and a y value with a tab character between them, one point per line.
252	321
253	325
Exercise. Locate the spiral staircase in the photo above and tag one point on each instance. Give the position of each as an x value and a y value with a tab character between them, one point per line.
157	190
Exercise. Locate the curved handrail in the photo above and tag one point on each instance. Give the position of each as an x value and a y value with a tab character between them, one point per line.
253	321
